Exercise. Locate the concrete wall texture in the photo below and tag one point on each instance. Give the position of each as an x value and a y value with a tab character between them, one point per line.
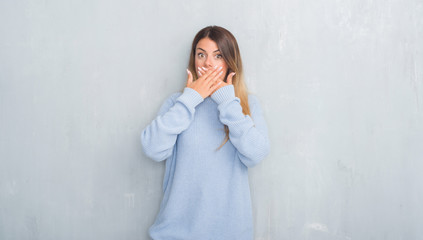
340	82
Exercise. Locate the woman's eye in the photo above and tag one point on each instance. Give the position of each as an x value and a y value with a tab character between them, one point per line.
200	55
218	56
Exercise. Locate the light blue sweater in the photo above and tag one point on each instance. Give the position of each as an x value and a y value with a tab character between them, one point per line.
206	194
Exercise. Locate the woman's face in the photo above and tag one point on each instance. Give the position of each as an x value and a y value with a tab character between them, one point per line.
208	55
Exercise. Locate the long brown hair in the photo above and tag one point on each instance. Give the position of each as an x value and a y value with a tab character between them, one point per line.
229	49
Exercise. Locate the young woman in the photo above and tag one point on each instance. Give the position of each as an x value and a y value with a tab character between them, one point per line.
209	134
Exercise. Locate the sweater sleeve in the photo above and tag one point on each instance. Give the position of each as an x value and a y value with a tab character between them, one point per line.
175	116
248	134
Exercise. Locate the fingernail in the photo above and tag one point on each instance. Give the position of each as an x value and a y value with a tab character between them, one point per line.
220	67
215	67
220	72
188	71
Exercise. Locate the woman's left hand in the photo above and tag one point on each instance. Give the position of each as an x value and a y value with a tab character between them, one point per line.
223	83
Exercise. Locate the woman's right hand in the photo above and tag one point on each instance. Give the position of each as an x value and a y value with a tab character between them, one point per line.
205	84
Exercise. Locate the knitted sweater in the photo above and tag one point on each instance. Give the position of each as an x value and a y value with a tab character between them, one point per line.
206	193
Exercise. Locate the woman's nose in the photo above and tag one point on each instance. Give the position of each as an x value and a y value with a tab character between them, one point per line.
209	62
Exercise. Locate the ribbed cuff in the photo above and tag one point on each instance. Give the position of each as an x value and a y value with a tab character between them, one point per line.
224	94
190	97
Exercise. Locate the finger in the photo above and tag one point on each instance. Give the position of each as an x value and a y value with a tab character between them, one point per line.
214	87
189	78
205	72
215	80
216	83
209	71
217	77
229	78
216	72
201	71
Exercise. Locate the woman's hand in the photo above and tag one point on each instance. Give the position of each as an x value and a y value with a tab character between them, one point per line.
220	83
207	83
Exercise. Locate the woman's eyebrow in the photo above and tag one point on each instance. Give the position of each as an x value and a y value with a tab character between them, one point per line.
206	51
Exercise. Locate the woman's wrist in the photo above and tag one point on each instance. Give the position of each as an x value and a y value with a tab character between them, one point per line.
190	97
224	94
